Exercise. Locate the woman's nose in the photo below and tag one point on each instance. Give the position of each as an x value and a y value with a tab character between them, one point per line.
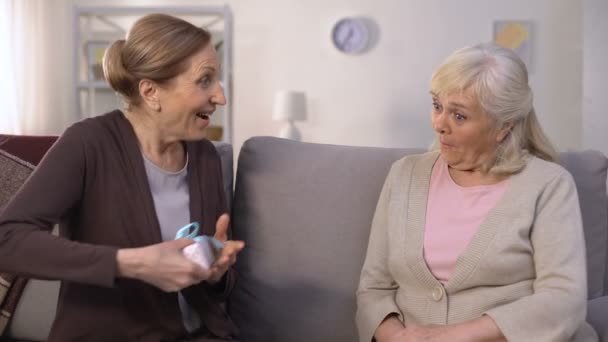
439	124
218	96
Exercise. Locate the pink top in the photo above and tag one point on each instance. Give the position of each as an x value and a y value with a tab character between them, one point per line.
454	214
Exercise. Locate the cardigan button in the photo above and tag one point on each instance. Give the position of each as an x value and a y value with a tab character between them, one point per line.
437	293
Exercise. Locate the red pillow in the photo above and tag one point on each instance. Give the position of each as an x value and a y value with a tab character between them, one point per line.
27	147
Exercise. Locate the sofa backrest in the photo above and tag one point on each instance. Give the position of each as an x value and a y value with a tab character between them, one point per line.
589	171
225	152
305	212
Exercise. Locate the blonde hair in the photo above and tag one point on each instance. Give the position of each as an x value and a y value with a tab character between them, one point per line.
156	48
499	81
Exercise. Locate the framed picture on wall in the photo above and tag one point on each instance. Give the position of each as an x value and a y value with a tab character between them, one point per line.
517	36
94	53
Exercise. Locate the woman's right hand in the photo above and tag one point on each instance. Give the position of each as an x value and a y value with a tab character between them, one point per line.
162	265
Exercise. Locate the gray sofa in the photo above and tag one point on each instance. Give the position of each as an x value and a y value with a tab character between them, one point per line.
305	212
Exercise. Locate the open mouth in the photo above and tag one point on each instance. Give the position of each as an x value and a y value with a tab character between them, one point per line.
203	115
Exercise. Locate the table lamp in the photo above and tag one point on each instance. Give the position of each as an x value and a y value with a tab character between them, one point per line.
289	106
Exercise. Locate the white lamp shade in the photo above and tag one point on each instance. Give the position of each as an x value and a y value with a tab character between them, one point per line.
289	105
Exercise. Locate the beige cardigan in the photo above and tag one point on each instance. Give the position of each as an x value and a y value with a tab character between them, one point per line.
525	267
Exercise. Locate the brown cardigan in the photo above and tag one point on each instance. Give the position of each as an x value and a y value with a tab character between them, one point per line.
93	182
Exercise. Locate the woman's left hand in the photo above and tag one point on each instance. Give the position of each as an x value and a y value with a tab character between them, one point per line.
480	329
231	248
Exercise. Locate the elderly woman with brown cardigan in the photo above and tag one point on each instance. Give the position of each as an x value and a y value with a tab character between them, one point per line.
480	239
121	185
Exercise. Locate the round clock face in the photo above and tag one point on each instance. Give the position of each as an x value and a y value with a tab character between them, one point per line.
350	35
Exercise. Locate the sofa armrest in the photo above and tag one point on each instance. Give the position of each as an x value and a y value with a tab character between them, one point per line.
597	316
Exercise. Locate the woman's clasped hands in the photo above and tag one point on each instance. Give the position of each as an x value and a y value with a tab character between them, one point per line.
164	265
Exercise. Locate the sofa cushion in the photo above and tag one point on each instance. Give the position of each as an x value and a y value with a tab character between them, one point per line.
35	313
305	212
589	171
13	173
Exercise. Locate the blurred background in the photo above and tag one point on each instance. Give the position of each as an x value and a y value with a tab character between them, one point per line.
50	51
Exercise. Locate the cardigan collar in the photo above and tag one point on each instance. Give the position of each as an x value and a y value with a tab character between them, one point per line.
414	221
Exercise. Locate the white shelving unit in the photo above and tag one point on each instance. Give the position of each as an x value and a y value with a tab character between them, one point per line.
97	27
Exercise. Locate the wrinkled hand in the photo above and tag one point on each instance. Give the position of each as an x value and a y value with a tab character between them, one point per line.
420	334
395	336
390	330
434	333
162	265
228	255
480	329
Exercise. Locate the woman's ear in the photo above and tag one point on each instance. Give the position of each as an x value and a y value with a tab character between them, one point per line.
149	92
504	131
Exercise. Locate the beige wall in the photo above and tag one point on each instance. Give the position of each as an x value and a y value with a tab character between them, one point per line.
381	98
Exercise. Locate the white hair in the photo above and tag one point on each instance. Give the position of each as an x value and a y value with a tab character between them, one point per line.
499	81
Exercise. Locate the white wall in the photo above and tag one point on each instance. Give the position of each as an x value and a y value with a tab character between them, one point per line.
595	75
381	98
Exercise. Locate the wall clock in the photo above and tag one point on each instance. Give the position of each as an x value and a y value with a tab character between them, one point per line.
350	35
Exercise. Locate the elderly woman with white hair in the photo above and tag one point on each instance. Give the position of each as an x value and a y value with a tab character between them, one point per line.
480	239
